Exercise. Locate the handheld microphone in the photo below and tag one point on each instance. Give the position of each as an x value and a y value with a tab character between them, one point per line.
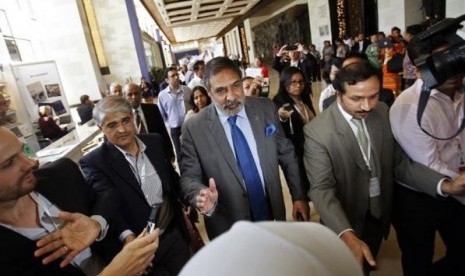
151	223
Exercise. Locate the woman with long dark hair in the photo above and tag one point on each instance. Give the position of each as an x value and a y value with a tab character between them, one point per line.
199	99
295	109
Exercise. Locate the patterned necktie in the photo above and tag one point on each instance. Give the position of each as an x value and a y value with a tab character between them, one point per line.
375	202
257	198
140	126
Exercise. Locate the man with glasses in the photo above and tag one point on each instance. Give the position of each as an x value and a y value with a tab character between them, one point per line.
130	173
174	102
230	155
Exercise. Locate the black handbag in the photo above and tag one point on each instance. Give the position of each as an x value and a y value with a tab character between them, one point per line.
394	65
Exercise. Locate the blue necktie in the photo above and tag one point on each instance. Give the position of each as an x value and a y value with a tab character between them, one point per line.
257	198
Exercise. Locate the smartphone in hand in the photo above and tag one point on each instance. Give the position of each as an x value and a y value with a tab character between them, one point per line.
151	223
287	106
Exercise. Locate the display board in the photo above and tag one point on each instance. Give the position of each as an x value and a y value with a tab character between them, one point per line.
39	84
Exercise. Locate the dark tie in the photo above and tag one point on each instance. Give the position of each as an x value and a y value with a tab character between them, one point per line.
375	202
257	198
140	126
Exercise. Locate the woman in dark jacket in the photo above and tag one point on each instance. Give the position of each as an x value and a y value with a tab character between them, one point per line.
295	109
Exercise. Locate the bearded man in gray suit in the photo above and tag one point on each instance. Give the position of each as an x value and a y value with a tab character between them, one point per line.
230	154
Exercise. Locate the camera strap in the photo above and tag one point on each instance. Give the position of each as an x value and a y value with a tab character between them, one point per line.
422	102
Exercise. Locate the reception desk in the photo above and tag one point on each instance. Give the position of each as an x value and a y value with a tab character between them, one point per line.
72	144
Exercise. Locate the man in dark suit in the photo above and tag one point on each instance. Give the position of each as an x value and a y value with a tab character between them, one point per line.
150	119
213	176
130	174
33	224
85	109
351	158
297	57
360	44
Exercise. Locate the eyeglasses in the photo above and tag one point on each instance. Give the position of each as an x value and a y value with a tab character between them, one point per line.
295	83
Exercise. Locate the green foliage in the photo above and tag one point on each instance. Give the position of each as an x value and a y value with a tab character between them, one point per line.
157	74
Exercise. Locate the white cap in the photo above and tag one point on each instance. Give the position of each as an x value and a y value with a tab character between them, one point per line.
274	248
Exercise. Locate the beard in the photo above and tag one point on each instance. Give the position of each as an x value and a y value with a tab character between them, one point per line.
25	185
231	108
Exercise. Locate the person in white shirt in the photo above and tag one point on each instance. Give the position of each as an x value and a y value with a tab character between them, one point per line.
199	68
421	211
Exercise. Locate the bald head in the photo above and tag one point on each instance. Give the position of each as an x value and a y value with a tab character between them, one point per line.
132	94
15	168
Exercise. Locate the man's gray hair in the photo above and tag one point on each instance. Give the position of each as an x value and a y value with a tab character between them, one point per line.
112	87
110	104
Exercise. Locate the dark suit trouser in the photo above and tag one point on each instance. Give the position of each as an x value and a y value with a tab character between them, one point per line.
416	218
372	235
172	253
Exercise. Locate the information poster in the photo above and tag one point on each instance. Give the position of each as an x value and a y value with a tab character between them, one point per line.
39	84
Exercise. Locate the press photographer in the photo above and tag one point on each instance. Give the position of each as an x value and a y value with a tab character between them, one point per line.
433	107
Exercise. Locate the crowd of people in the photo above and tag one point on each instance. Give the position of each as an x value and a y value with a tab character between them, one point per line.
363	161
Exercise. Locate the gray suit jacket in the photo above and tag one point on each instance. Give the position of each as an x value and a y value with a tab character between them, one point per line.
206	153
339	177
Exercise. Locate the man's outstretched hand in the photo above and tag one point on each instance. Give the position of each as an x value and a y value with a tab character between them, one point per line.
79	232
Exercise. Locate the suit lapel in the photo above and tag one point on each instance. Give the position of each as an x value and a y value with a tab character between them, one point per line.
217	131
121	167
257	124
347	137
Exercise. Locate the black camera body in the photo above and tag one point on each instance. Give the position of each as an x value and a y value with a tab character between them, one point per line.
291	47
437	67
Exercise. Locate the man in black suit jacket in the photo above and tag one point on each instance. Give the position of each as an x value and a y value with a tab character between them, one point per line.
130	174
151	120
85	109
360	44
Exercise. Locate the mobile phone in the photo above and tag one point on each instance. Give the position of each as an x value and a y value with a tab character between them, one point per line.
287	106
291	47
152	222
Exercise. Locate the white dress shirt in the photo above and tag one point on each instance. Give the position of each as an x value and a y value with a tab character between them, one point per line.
196	81
326	93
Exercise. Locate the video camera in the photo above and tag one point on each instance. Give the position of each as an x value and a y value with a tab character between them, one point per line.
437	67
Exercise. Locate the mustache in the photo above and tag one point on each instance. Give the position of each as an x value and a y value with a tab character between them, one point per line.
232	104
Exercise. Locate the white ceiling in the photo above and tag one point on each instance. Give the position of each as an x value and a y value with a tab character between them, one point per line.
196	19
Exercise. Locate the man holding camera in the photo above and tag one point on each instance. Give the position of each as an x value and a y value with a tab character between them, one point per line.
420	211
295	55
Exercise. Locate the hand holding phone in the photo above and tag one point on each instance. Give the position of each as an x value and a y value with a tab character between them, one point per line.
151	223
287	106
